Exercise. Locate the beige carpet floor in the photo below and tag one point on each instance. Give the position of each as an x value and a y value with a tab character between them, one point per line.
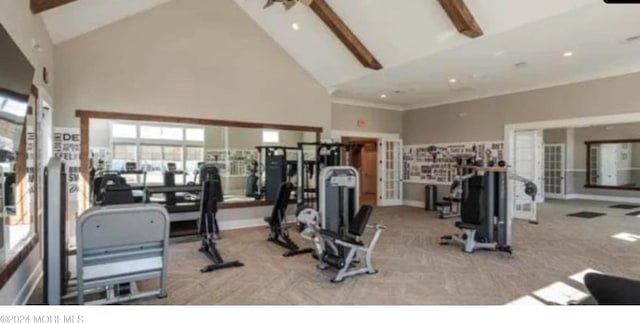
413	267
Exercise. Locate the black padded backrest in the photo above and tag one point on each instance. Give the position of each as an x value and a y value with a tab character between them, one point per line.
118	194
211	173
282	202
611	290
211	191
9	181
359	222
252	186
472	203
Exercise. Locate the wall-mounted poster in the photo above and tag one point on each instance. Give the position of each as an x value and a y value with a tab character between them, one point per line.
421	167
101	157
66	146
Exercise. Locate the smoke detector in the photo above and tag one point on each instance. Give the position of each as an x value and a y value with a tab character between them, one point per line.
521	64
631	39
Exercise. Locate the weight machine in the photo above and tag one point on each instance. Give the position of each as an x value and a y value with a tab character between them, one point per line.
336	229
207	223
326	155
484	219
116	247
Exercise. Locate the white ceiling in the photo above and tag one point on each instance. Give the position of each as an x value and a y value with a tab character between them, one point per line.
82	16
419	47
421	50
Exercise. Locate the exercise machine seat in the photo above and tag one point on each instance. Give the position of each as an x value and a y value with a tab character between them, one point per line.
118	194
463	225
359	222
611	290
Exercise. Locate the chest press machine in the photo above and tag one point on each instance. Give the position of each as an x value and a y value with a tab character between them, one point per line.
483	218
336	229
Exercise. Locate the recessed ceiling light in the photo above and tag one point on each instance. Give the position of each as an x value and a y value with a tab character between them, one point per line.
475	76
632	39
521	64
295	26
384	96
452	80
567	54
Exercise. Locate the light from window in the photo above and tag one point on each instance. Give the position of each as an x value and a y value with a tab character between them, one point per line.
195	134
166	133
172	133
150	132
16	108
121	155
271	137
124	131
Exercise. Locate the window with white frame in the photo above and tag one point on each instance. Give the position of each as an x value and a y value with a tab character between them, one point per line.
153	147
161	133
270	137
128	131
194	134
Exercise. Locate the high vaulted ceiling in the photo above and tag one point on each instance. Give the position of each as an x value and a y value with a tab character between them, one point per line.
421	50
82	16
419	47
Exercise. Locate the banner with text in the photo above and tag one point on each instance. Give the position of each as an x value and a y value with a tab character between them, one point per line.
66	146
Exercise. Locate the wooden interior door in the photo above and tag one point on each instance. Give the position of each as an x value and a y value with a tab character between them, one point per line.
369	172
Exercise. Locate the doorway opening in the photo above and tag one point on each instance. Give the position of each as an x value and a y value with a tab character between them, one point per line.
365	160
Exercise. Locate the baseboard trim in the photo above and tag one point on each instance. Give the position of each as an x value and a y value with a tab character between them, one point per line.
413	203
242	224
29	286
603	198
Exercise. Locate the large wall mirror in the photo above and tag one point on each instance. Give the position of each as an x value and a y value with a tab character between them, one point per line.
159	159
613	164
18	176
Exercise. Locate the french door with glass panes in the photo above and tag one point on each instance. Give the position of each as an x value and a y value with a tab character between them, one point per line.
554	170
389	172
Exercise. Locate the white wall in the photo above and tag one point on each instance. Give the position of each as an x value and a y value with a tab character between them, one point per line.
25	28
190	58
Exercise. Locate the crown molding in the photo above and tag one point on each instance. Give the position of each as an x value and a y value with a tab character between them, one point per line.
368	104
597	77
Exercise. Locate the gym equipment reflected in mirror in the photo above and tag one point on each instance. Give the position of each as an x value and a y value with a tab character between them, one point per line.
613	164
160	162
17	151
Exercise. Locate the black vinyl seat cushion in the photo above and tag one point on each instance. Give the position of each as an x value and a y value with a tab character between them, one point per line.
338	236
359	222
611	290
468	226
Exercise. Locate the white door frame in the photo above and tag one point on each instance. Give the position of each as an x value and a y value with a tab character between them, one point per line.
383	158
337	136
563	172
510	129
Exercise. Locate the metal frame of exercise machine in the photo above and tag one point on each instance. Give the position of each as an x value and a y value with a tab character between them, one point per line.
326	155
116	247
274	166
336	229
208	224
488	225
278	226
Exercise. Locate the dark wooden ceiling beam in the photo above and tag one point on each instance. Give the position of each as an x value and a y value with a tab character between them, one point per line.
461	17
348	38
38	6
